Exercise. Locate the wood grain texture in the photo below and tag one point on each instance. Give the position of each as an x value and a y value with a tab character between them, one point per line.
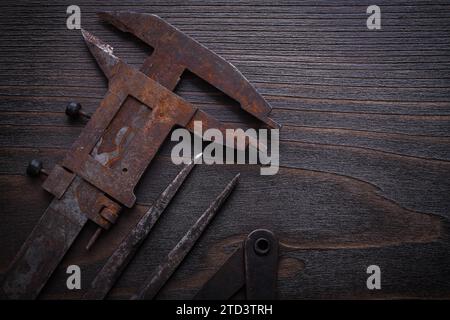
365	143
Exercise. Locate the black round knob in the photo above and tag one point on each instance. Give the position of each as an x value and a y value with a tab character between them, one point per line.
34	168
73	109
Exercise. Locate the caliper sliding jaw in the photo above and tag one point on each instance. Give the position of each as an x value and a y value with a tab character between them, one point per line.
101	170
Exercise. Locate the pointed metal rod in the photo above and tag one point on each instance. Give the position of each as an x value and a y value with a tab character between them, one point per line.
118	261
179	252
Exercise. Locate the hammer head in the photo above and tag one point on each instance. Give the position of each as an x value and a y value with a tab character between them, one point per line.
175	52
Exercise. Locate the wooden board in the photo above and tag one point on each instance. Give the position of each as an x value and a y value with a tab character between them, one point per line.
365	143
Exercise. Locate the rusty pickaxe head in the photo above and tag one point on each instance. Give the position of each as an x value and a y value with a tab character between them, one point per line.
175	52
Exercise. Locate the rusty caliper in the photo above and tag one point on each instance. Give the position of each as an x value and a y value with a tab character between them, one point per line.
99	173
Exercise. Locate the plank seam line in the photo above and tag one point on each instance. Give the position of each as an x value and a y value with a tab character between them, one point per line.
359	148
399	134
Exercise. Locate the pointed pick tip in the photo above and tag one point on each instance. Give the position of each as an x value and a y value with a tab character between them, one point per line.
102	52
272	123
89	37
228	188
93	40
198	157
86	34
194	161
234	181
